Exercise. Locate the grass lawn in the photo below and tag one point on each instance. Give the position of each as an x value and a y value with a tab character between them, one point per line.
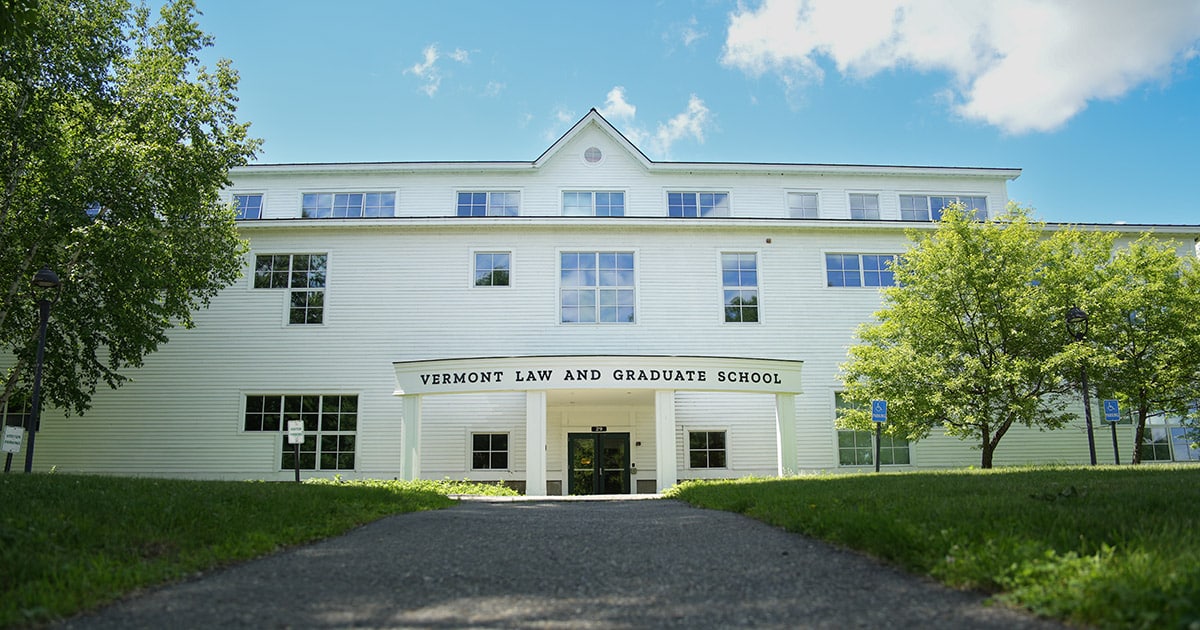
69	543
1113	547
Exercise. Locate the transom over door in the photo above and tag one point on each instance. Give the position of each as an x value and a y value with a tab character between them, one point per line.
599	463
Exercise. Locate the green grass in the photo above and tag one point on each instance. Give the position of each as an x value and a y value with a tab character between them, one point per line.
70	543
1107	547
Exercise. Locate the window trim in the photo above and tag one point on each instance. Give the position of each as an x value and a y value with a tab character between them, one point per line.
279	438
489	191
287	290
687	448
262	203
470	448
558	285
861	270
562	205
349	191
722	287
667	192
871	193
787	208
474	253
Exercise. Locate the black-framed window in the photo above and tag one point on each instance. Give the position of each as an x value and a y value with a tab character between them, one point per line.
303	275
489	451
492	269
739	285
707	449
330	427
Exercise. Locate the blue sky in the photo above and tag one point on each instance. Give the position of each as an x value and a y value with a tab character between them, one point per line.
1098	101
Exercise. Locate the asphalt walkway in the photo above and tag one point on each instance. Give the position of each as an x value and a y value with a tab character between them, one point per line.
560	564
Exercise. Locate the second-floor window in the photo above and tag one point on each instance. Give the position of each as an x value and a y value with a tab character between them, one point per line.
697	204
739	284
248	206
492	269
859	270
488	204
302	276
596	287
930	207
347	205
593	204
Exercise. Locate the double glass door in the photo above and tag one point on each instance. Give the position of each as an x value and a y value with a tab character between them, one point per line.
599	463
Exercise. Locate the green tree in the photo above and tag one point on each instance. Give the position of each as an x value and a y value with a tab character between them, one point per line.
114	144
971	338
1146	332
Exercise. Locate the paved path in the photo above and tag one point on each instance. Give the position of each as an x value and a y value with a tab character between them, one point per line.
559	564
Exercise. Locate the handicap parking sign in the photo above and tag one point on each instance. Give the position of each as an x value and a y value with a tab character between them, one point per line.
879	410
1112	410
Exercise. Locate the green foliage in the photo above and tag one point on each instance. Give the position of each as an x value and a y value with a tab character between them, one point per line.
444	486
1146	331
971	337
1102	547
116	144
68	543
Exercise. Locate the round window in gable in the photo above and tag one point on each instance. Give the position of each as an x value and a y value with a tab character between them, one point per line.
593	155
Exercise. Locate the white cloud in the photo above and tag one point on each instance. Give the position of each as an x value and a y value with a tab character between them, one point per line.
428	71
689	34
616	107
1021	65
494	88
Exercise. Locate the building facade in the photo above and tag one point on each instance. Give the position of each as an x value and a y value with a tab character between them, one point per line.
588	322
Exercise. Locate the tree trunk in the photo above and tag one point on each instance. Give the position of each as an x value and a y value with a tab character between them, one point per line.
1139	434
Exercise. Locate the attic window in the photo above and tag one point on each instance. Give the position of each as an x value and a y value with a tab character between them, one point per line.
592	155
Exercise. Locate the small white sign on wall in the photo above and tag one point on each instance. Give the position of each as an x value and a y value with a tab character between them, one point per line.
12	439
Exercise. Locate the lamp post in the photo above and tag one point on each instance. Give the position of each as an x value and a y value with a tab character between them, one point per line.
44	280
1077	327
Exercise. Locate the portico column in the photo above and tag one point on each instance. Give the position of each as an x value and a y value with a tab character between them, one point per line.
664	438
535	443
785	434
410	438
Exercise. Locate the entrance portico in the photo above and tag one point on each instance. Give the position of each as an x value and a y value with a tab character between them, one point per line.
538	375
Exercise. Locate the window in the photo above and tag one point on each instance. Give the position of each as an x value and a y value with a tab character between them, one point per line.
342	205
706	449
330	423
802	205
864	206
1156	445
739	281
489	451
859	270
929	208
303	275
593	204
697	204
488	204
596	287
857	448
15	413
1182	445
492	269
248	206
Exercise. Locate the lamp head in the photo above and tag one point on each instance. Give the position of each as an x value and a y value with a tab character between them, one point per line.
1077	323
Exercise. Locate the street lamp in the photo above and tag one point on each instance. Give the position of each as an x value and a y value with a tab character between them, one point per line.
1077	327
44	281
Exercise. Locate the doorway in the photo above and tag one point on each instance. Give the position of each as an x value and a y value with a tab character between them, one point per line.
599	463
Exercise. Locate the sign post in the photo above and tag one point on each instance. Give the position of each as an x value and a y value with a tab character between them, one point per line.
11	444
1112	413
879	415
296	438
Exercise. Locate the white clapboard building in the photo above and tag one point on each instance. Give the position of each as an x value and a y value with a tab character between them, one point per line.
589	322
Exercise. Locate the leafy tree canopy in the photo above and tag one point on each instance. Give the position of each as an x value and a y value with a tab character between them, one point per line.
114	144
972	338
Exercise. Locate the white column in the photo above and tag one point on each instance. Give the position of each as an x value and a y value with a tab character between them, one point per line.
664	439
410	438
785	434
535	443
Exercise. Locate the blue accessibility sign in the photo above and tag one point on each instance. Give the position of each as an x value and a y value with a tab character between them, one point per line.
1112	410
879	410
